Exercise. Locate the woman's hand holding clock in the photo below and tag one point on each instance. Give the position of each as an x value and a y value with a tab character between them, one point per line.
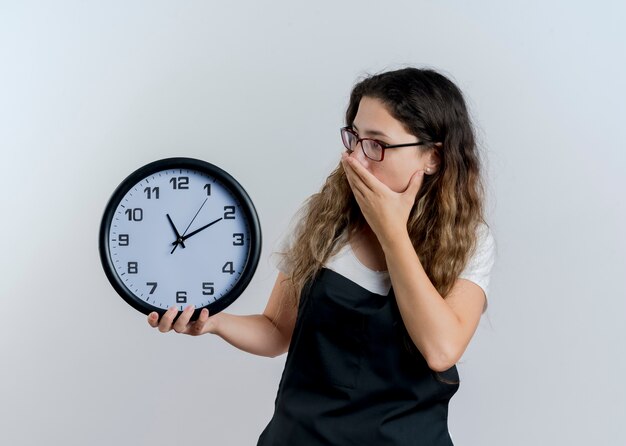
169	321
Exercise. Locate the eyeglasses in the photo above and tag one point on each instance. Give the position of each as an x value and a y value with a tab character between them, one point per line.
372	148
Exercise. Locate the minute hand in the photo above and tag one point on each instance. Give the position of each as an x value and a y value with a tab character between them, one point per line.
185	237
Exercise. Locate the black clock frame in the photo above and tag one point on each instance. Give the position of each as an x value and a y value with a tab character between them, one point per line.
246	205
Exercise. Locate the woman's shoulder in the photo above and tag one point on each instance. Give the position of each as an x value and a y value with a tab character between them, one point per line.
287	238
485	249
485	238
480	264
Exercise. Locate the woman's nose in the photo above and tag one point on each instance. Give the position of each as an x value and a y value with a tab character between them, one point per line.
358	154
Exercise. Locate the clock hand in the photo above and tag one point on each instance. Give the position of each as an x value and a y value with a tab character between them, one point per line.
194	217
185	237
181	239
178	236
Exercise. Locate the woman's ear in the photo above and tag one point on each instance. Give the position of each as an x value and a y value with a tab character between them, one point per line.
433	159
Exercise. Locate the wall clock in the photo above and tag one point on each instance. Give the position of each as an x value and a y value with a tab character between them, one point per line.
180	231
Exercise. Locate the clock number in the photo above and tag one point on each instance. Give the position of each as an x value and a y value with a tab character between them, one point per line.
149	192
238	240
132	267
229	212
123	239
208	189
180	182
181	297
135	214
208	289
153	285
228	268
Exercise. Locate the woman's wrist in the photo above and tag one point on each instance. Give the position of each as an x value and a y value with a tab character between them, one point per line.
393	239
213	323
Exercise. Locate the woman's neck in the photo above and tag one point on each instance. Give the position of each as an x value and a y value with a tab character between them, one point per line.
367	248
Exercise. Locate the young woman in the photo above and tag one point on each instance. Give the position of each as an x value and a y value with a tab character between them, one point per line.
383	278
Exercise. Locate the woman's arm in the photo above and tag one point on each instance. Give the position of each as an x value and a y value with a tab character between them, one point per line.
440	328
267	334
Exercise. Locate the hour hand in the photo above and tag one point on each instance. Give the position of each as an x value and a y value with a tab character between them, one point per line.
179	239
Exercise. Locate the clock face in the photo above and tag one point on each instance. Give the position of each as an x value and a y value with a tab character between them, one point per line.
180	231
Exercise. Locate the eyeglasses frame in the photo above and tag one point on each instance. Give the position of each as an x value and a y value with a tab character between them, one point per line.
384	146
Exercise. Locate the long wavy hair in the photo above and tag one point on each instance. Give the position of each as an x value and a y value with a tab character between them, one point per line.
448	208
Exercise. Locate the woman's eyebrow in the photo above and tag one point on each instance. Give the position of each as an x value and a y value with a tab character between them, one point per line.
371	132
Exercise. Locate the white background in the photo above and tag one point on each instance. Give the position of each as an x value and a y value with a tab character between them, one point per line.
90	91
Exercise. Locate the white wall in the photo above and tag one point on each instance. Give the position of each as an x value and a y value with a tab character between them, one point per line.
90	91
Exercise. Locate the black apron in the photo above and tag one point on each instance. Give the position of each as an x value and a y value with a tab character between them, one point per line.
349	380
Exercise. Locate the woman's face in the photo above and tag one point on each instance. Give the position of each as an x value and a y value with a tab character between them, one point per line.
399	164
